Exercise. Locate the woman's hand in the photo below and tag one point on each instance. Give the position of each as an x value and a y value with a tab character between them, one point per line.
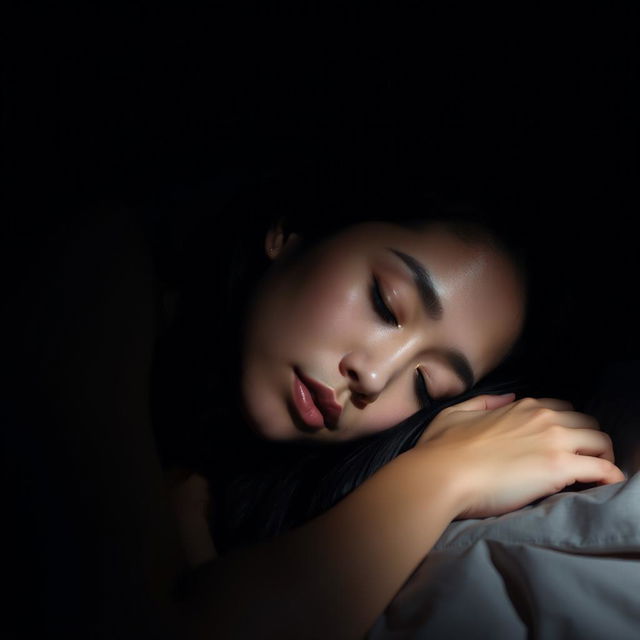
505	454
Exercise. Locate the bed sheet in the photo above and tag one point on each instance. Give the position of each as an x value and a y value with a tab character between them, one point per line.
565	567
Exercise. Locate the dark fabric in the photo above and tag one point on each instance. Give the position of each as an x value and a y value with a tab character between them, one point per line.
616	405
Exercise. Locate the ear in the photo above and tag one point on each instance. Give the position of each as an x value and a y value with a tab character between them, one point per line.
277	241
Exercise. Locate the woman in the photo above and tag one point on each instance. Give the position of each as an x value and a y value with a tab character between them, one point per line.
342	337
346	282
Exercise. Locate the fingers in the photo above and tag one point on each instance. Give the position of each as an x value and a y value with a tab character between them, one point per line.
576	420
564	414
495	402
589	442
488	402
555	403
483	402
587	469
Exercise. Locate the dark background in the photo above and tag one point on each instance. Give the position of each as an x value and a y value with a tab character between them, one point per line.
533	113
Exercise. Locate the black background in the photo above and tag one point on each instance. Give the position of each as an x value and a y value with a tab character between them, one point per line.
535	112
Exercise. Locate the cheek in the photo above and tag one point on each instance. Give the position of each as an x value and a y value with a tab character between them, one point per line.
484	341
397	404
325	309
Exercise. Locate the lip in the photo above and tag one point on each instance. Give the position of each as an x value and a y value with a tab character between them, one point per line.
317	407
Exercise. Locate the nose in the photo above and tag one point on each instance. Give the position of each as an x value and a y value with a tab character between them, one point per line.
372	365
367	378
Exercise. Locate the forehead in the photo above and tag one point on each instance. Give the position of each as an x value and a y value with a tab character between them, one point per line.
433	243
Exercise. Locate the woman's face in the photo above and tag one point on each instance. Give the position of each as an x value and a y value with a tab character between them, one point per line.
344	339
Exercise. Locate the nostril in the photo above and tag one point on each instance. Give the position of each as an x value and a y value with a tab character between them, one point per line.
359	400
353	375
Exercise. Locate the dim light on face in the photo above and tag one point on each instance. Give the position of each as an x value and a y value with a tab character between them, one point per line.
363	329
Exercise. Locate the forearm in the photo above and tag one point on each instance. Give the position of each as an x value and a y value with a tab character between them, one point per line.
330	578
333	576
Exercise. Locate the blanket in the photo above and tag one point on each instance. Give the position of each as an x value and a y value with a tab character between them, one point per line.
565	567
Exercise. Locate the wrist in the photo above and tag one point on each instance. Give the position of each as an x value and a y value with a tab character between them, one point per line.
441	475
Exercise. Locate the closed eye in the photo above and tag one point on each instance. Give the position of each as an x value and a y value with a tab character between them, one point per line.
421	390
380	306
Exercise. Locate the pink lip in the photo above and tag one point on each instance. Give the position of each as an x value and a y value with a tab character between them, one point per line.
315	402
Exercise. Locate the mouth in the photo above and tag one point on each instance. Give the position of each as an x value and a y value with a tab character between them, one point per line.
315	402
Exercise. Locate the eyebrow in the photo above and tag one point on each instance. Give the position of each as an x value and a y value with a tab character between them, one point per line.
433	306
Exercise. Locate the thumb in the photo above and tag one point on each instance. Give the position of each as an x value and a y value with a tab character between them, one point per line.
485	402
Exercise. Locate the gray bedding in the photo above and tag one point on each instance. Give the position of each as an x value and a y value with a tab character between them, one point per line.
566	567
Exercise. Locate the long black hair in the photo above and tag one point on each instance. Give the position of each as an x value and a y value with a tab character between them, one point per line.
263	488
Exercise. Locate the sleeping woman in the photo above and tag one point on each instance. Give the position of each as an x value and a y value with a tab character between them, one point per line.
345	337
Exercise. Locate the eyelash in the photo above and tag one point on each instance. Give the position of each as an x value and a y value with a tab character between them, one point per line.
385	313
380	306
421	389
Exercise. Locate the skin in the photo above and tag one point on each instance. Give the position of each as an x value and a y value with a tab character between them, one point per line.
329	578
483	457
314	312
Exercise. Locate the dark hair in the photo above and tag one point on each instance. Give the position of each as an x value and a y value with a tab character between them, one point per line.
263	488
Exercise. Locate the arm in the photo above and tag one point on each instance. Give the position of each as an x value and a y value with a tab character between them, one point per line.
334	575
328	578
95	365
